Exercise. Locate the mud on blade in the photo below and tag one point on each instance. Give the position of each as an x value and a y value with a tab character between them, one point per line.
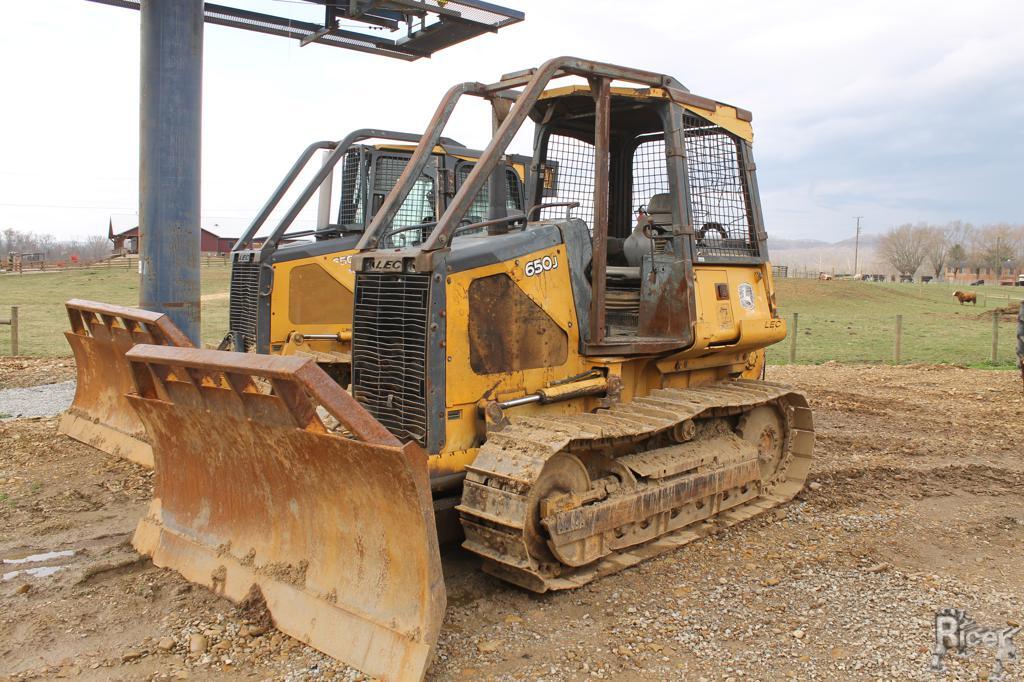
252	490
100	414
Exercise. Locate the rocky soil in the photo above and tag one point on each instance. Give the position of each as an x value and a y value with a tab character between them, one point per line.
914	504
19	372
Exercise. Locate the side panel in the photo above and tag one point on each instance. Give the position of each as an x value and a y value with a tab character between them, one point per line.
542	276
733	308
307	293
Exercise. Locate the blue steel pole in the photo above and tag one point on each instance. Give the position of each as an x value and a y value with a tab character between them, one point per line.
169	160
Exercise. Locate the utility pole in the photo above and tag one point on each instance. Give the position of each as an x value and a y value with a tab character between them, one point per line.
856	245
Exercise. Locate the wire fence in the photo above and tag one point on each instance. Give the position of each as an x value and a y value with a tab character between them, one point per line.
206	261
991	338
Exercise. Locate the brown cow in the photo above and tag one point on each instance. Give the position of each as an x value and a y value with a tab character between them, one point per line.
966	297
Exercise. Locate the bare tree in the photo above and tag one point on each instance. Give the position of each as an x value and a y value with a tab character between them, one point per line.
94	248
937	246
91	249
905	247
11	237
957	258
996	248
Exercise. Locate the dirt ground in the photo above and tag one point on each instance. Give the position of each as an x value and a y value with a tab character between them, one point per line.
20	372
914	504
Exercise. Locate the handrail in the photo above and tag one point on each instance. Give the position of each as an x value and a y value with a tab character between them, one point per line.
414	168
539	207
339	148
278	194
488	223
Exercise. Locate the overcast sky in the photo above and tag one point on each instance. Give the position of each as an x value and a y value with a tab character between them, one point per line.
897	111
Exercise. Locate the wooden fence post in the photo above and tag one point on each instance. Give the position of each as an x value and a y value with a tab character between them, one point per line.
792	338
995	336
13	330
1020	340
897	347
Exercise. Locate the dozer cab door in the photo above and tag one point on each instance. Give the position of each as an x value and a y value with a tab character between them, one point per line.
641	274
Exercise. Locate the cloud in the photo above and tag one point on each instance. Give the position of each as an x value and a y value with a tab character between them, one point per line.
896	111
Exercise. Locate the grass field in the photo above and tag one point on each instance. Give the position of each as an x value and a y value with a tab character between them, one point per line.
851	321
41	296
840	320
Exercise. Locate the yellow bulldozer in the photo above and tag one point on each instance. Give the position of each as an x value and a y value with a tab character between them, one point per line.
290	290
580	385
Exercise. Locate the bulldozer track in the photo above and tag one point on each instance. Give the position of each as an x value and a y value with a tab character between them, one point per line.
686	490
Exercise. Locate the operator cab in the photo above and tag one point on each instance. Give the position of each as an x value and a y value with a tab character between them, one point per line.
662	217
678	192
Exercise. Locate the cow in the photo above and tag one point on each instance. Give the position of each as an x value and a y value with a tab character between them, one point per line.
966	297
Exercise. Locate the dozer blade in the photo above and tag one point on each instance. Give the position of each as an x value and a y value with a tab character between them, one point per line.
254	493
100	335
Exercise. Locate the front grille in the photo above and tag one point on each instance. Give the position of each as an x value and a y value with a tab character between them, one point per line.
245	285
389	351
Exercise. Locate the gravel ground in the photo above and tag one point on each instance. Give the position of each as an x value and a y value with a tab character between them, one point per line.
36	401
914	504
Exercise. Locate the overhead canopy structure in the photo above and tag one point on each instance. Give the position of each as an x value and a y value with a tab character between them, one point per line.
170	107
428	25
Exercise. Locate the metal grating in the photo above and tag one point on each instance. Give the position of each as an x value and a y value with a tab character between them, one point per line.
244	297
451	22
719	202
469	10
389	349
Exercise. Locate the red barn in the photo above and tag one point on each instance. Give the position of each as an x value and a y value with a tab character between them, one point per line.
128	241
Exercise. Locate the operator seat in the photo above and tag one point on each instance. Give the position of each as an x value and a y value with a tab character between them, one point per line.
659	218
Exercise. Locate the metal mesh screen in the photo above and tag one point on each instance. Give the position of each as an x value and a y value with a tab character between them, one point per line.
352	189
574	180
650	172
418	206
515	191
387	171
722	218
480	208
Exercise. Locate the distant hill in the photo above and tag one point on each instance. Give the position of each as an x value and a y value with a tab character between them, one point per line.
777	244
781	244
815	255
